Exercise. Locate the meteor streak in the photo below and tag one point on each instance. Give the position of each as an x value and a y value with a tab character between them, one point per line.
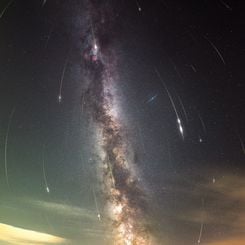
44	174
5	8
202	123
183	108
226	5
242	146
44	2
241	143
151	99
179	123
62	77
200	234
96	204
193	68
82	102
177	71
216	50
6	146
95	48
138	5
201	228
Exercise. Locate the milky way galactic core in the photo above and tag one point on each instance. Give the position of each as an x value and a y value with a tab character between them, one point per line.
126	204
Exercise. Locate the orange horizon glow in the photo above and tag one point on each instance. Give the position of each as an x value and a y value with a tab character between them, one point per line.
20	236
231	241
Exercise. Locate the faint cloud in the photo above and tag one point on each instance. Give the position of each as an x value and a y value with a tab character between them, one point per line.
62	209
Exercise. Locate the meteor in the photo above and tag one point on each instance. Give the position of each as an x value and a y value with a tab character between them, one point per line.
202	123
61	81
138	6
59	98
95	48
216	50
200	234
44	174
193	68
180	127
96	204
151	99
6	146
178	120
202	224
226	5
183	108
6	8
242	144
44	2
62	77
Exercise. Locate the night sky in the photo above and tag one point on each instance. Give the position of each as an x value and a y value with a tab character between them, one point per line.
122	112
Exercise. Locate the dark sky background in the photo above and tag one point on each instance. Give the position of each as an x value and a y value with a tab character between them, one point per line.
195	184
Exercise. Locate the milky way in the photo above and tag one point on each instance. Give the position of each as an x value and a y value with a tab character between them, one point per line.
125	199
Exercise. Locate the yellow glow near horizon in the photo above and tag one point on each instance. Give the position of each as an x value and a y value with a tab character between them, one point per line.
231	241
19	236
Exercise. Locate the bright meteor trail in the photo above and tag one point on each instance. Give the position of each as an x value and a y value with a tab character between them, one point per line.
62	77
179	122
44	173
